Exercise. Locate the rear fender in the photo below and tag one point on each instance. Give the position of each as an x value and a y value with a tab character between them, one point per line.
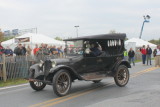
125	63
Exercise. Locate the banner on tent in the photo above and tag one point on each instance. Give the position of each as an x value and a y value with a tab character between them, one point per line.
21	40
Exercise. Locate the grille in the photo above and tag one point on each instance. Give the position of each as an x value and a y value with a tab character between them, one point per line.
47	67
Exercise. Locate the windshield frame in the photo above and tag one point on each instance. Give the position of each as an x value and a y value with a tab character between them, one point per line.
68	53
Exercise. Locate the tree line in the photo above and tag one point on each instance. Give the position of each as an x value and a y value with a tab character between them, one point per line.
155	41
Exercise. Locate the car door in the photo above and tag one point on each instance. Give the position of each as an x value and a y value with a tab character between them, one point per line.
90	65
104	63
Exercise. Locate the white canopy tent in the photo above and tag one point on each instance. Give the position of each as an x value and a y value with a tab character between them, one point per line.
32	40
137	43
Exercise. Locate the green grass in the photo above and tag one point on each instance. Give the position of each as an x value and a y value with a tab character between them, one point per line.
12	82
138	61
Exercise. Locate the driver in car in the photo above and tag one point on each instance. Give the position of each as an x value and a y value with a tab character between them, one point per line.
95	50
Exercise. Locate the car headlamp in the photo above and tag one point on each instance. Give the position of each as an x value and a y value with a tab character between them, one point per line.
53	63
41	63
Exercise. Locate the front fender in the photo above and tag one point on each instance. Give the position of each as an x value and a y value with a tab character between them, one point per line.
73	73
35	71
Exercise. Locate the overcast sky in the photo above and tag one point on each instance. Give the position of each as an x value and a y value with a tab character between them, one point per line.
58	17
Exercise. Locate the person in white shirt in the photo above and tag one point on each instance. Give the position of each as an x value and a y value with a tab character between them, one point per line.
157	57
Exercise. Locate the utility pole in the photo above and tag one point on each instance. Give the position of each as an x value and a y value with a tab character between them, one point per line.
76	29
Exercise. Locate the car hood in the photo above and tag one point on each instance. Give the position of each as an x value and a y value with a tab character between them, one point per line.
66	61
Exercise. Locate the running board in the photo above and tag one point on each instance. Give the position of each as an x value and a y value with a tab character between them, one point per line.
93	76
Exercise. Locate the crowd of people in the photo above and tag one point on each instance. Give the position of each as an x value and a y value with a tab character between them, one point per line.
43	49
22	50
146	55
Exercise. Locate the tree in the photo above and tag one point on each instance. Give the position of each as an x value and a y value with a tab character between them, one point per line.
58	38
7	38
155	41
1	36
126	38
112	31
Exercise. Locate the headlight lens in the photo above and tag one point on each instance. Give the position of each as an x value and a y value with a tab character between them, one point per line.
53	63
41	63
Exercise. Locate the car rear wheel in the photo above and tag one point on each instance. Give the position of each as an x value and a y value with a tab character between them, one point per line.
37	85
96	81
62	83
122	76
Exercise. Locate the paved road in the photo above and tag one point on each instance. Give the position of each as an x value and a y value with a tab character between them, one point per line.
143	89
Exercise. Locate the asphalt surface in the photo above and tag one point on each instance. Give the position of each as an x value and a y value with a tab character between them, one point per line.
143	90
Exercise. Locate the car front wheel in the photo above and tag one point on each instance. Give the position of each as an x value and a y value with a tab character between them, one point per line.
61	83
37	85
122	76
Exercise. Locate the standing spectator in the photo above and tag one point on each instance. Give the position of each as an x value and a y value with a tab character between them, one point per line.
19	53
157	57
65	51
1	52
39	54
148	54
29	50
49	48
54	50
60	52
125	53
45	49
143	51
35	50
8	51
1	49
155	52
131	55
24	49
19	50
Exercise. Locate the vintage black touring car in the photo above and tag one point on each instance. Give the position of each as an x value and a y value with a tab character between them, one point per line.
89	58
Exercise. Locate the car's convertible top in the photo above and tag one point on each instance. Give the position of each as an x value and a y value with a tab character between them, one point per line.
101	36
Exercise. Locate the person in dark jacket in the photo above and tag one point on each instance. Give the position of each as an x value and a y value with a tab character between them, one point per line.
131	55
24	49
154	52
95	51
8	51
19	50
148	54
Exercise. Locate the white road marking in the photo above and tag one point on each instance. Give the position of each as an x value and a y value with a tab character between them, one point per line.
3	88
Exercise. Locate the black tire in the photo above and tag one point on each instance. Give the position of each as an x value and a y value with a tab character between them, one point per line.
38	86
96	81
62	83
122	76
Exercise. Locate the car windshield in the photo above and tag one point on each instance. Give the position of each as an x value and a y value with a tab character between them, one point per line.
74	47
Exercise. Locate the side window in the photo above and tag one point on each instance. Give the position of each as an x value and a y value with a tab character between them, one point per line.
92	48
113	47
